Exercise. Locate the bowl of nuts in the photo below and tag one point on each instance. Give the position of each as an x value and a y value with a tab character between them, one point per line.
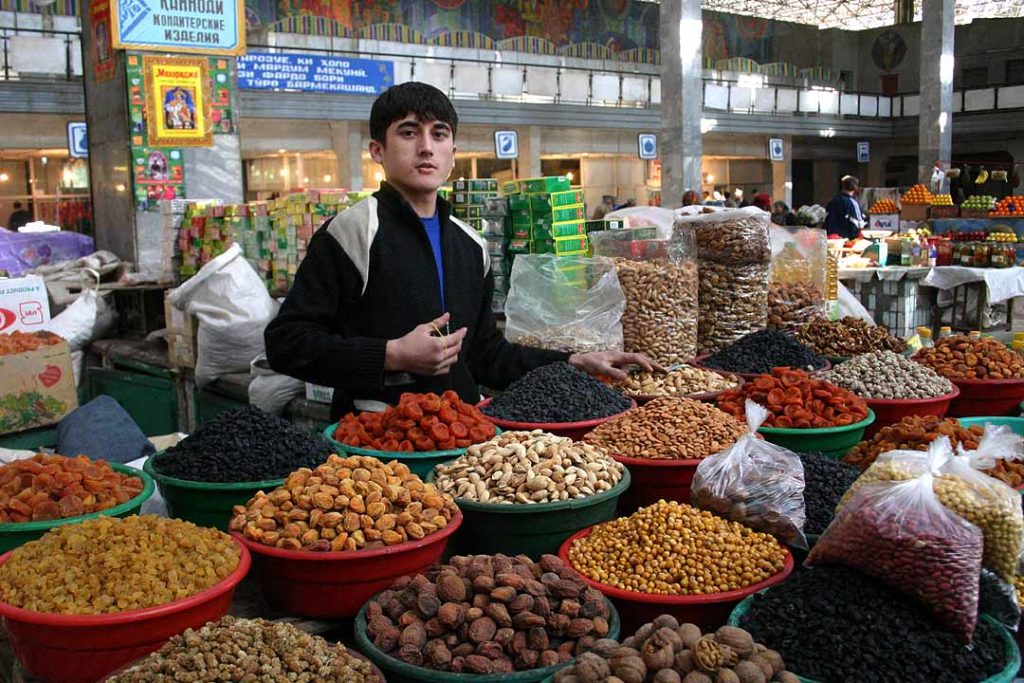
685	381
88	598
329	538
524	493
990	376
478	619
672	558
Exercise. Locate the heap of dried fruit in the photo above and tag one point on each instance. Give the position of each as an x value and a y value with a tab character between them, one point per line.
913	433
796	400
420	422
488	614
345	504
664	651
848	337
961	357
20	342
46	487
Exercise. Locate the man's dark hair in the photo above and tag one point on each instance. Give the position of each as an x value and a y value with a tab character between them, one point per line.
17	205
423	101
850	183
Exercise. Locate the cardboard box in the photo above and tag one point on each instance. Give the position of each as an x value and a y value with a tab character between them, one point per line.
24	304
37	388
887	221
315	392
914	212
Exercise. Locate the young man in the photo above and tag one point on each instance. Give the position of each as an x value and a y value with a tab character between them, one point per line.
844	217
394	294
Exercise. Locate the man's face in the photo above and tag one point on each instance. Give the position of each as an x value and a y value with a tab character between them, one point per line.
417	156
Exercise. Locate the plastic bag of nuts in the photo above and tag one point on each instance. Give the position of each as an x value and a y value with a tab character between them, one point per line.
799	263
566	303
528	468
755	483
982	500
659	279
900	533
734	254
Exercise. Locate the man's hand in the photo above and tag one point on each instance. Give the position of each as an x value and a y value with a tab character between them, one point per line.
422	353
607	363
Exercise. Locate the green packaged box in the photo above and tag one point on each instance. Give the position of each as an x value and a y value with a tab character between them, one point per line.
520	246
561	245
568	213
566	198
534	185
557	230
521	217
474	211
519	202
520	232
475	185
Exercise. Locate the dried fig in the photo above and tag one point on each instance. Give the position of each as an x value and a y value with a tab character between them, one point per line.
450	587
482	629
463	650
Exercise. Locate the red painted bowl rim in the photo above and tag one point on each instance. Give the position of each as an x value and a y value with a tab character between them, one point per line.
912	401
350	555
19	614
547	426
709	598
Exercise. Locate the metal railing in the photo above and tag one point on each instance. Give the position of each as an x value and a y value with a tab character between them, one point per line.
31	54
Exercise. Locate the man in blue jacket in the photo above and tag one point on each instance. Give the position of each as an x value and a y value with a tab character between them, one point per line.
843	215
394	293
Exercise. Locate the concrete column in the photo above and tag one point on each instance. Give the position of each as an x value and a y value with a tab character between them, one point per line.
347	143
782	173
529	151
935	125
681	99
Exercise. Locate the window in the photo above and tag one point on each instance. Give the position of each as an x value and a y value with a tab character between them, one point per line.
974	77
1014	71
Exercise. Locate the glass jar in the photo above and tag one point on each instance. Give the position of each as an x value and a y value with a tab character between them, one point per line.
958	250
944	250
1009	253
982	255
966	254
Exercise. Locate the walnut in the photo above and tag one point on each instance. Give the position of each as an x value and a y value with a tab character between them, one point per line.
690	634
736	638
707	655
749	672
590	668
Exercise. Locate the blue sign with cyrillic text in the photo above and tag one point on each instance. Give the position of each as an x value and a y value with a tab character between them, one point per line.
200	26
314	73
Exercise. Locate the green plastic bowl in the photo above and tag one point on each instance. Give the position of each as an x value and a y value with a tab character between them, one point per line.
205	503
832	442
18	533
1007	675
400	672
532	530
420	463
1014	423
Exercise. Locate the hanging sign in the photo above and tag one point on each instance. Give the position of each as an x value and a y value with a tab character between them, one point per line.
314	73
863	152
177	101
647	145
506	144
775	149
215	27
102	52
78	140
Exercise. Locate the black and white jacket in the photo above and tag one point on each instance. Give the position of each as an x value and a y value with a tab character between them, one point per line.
369	276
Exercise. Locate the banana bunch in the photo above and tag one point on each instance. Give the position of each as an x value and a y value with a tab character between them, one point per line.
982	177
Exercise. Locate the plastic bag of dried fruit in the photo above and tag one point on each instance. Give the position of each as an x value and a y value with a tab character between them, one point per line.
756	483
658	274
897	530
565	303
796	295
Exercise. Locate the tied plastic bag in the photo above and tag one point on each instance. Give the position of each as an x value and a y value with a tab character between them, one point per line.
998	599
796	295
755	483
565	303
269	391
898	531
233	307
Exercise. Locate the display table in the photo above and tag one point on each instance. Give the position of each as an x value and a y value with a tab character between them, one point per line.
893	296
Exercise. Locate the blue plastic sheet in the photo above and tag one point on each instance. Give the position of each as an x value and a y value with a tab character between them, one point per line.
23	251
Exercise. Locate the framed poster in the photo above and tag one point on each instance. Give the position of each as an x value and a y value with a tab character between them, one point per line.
103	53
177	92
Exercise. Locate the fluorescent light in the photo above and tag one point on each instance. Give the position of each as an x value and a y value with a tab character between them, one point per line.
751	81
827	132
569	175
327	178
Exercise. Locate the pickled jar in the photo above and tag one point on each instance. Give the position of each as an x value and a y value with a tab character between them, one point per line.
966	254
982	255
944	250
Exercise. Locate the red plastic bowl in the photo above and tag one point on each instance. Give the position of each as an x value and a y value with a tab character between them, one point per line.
336	584
60	648
890	411
573	430
707	611
654	479
750	376
995	397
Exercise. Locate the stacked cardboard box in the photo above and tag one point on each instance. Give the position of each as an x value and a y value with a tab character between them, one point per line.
547	221
494	221
273	235
469	199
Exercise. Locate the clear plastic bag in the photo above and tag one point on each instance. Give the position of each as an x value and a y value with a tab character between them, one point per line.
998	599
899	532
659	278
755	483
796	295
565	303
734	253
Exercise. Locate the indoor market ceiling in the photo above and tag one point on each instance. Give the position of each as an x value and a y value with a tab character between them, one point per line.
856	15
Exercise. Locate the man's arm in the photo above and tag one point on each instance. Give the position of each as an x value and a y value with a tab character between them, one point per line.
303	342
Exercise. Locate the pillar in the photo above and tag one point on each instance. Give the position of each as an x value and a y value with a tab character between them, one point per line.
935	124
782	173
347	143
681	145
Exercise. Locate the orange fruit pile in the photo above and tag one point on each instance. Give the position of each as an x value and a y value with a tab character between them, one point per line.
883	206
1009	206
918	194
